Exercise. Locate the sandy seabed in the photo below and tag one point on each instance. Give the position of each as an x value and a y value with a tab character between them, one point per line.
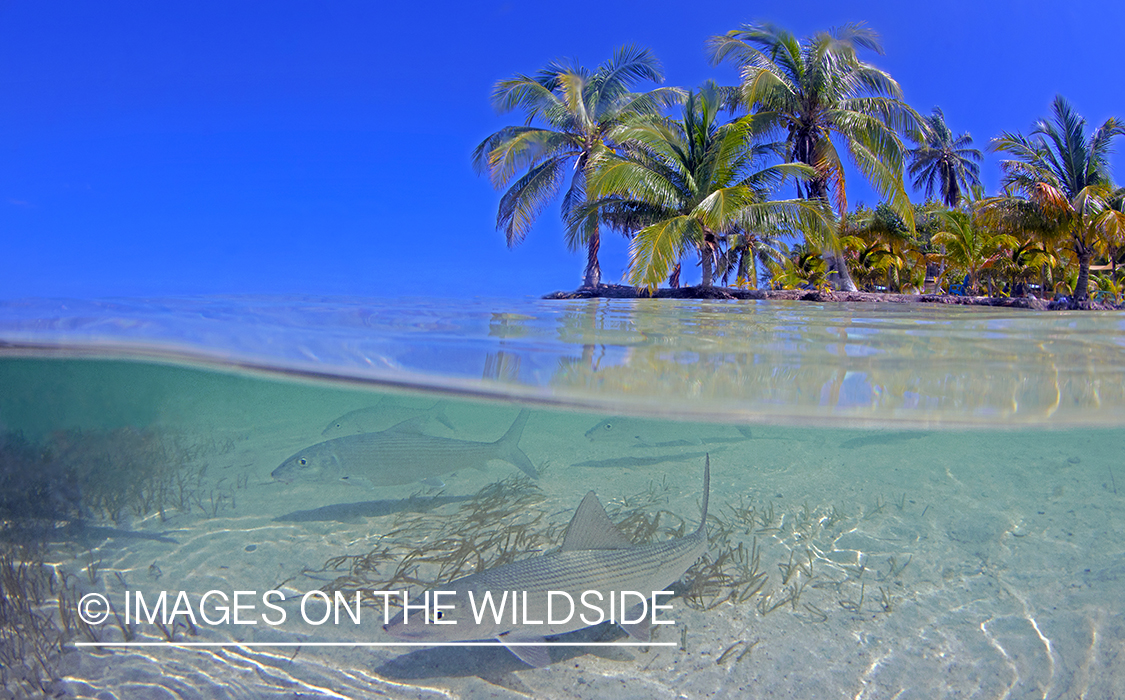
956	565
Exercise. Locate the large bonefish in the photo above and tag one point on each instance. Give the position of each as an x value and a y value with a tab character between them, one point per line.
595	556
401	455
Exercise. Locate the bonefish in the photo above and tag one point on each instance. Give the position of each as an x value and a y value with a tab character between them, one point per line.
639	432
366	420
401	455
595	557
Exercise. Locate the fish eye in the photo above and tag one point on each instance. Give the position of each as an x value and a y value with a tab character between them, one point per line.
608	426
302	461
439	615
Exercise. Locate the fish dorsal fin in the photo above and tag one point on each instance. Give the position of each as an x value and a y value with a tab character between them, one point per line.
591	528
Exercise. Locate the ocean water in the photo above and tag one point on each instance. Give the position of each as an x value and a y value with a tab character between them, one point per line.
906	501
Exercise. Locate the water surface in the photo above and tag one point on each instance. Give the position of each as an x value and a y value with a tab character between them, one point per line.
924	504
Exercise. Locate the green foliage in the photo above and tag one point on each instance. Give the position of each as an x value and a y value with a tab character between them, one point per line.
703	187
1021	263
882	250
816	92
577	107
969	247
943	162
1107	288
803	269
870	263
746	255
1057	182
692	184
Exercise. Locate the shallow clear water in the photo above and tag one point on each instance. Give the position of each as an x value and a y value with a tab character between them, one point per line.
905	501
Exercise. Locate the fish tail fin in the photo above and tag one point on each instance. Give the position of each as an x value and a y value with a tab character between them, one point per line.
437	412
508	448
745	431
702	531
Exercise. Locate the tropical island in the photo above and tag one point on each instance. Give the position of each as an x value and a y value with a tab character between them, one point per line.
692	176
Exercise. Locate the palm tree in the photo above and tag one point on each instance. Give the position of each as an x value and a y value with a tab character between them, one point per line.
942	161
875	234
1112	244
1021	263
969	246
1060	178
692	183
747	253
819	92
578	108
871	261
802	268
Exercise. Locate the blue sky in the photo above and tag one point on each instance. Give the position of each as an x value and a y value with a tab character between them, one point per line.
323	148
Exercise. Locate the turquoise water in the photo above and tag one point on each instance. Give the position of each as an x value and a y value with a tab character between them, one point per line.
906	501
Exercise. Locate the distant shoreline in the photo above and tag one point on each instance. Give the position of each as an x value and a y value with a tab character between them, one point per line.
621	291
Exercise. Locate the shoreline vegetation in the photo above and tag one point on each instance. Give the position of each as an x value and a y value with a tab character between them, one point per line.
621	291
748	182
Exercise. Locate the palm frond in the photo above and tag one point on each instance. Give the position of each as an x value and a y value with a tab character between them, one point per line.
884	177
527	197
520	147
630	64
634	179
656	248
576	108
522	92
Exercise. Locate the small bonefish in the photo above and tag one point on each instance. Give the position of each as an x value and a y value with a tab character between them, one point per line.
595	557
639	432
401	455
366	420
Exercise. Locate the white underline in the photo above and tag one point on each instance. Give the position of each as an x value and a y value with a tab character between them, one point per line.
376	644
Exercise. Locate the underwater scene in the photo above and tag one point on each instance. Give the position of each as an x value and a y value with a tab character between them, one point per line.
237	499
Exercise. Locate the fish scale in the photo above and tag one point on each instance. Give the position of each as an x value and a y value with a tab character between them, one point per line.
401	455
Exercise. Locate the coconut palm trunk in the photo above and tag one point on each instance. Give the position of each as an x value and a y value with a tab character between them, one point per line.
838	273
941	269
892	270
706	258
593	275
748	269
747	272
1082	286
